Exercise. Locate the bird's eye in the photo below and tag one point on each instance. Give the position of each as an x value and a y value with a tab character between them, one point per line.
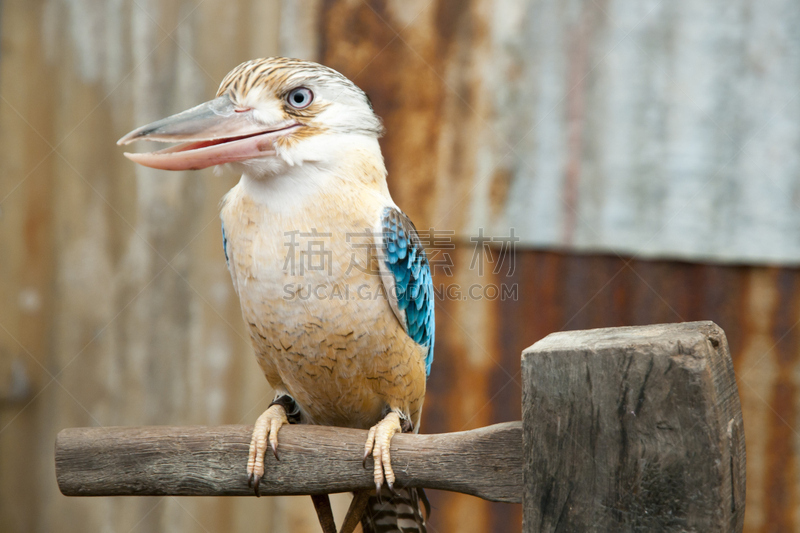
300	98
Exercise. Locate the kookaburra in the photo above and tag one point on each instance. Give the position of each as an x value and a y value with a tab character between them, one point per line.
332	278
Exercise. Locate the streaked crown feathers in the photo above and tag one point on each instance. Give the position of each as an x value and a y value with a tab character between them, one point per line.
278	76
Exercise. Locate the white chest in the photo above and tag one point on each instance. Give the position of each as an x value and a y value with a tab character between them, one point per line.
311	238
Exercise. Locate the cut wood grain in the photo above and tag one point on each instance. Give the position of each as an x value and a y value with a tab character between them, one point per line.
632	429
210	461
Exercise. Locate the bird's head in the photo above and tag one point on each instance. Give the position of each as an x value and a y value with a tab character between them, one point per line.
269	114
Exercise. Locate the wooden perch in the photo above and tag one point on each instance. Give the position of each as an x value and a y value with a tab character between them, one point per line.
210	461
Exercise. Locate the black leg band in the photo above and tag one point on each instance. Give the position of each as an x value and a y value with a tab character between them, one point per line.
293	414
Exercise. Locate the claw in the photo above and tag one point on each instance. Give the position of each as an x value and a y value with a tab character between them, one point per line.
265	430
275	425
274	451
378	443
369	444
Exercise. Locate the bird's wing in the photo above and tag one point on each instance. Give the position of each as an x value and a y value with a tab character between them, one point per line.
225	245
231	266
406	276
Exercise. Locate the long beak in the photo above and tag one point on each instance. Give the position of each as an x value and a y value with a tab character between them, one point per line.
210	134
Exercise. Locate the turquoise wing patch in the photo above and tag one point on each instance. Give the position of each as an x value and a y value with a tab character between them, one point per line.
404	256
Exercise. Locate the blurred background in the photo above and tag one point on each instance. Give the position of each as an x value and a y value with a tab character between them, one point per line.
607	162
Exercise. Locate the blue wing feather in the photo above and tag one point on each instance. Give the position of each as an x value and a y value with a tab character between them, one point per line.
225	244
405	258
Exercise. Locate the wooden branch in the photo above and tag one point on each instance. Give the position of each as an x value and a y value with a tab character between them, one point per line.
210	461
632	429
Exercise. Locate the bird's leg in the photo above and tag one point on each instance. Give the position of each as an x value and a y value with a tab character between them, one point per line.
322	504
355	511
266	429
378	442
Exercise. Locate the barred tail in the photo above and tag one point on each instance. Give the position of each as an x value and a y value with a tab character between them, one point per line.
398	513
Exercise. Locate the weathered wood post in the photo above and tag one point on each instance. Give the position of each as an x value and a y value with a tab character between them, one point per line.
632	429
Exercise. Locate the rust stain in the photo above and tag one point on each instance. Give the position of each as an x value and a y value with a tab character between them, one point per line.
579	72
36	224
781	459
403	67
498	191
576	87
756	376
463	30
451	15
361	41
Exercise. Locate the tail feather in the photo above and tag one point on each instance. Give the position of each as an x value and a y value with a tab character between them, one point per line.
398	513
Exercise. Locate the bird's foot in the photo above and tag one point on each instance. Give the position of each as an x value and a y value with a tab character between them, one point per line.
266	429
378	442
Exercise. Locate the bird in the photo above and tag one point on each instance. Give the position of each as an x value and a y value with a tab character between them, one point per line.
333	279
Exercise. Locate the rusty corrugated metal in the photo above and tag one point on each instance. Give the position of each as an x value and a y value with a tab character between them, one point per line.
659	129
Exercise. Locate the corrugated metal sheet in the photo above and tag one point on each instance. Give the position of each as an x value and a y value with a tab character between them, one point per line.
655	128
114	297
